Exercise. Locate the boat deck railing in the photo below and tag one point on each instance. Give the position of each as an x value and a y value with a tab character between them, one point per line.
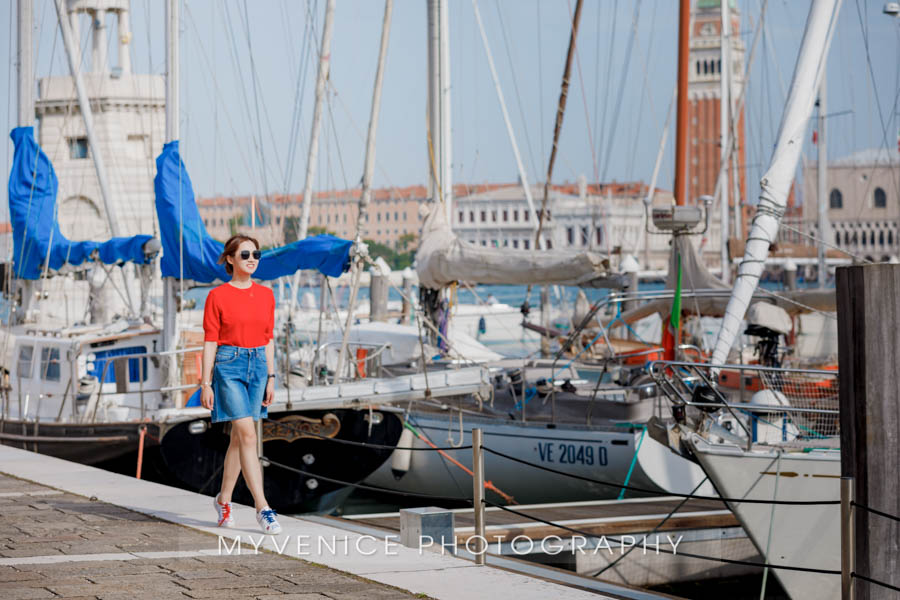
771	404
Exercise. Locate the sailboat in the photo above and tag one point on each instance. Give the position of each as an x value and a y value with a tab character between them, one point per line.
783	444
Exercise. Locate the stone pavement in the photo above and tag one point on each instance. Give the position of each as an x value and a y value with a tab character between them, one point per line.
171	530
60	545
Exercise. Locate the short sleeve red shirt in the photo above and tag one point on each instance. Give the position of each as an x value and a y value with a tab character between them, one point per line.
239	317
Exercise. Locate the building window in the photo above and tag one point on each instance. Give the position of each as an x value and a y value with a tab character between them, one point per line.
549	244
78	148
836	199
471	216
516	215
872	237
890	238
526	215
278	220
461	217
516	244
396	216
494	244
881	238
484	242
837	238
387	216
50	364
585	236
506	243
378	217
846	237
526	243
570	236
483	216
880	198
505	216
493	216
698	67
599	236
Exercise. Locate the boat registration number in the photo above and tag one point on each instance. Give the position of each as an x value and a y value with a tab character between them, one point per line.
571	454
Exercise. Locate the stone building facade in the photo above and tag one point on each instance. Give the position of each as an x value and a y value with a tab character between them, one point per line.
863	199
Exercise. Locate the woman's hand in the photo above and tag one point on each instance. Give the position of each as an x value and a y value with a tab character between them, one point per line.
206	397
270	392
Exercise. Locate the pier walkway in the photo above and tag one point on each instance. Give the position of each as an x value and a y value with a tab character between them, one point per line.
73	531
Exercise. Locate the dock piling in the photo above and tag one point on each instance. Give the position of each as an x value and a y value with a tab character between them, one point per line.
478	494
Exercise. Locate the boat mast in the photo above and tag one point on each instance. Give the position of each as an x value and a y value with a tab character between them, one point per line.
724	120
822	182
169	332
439	149
681	113
25	118
368	171
313	153
24	66
776	183
557	128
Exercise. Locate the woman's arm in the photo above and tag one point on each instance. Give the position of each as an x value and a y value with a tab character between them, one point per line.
209	359
270	366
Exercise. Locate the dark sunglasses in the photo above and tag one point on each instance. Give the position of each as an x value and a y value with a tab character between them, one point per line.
245	254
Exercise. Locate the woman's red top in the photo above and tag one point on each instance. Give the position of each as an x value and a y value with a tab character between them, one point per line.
239	317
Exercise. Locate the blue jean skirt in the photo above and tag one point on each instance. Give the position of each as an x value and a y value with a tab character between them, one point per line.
239	383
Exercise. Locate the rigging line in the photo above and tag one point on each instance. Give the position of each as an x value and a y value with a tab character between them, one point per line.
255	83
609	60
597	66
587	116
299	95
824	242
240	147
235	58
615	121
825	314
512	72
337	143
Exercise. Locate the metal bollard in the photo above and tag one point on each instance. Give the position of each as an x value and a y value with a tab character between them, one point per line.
478	494
847	539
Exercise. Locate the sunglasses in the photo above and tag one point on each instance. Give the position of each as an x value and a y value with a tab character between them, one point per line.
245	254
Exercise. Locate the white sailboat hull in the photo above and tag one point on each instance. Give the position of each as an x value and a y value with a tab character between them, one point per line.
802	535
600	454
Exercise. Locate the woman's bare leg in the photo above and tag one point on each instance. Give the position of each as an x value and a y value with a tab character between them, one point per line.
232	468
245	431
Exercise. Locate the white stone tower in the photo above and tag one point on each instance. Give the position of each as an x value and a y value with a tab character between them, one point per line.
129	124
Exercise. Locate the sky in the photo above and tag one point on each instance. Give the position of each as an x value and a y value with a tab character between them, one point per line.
248	67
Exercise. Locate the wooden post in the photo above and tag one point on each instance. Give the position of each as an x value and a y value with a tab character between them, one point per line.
868	308
378	296
478	494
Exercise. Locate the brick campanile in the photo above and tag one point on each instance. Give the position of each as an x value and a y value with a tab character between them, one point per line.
704	149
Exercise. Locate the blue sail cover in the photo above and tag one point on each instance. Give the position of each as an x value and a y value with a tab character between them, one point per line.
32	209
179	217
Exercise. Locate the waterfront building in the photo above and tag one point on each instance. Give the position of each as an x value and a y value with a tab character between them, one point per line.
863	199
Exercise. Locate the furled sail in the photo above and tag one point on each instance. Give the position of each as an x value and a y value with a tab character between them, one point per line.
776	183
443	258
179	221
37	239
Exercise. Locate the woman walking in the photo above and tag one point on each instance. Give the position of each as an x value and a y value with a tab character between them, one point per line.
238	372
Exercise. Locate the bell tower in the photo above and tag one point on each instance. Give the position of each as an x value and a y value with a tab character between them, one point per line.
704	93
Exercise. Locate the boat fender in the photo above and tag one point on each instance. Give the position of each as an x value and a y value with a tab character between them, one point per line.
402	456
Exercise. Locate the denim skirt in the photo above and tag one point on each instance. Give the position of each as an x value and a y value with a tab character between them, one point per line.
239	383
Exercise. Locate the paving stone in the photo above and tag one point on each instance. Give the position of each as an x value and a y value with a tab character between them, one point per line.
250	592
293	597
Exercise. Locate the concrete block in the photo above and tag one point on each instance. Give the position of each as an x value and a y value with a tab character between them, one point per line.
431	521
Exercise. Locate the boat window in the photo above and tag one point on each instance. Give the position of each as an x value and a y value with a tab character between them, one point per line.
105	367
78	147
26	356
50	364
880	198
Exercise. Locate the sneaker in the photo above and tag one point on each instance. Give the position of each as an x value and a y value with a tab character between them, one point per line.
267	521
224	510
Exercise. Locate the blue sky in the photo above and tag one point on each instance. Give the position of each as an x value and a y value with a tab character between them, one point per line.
227	149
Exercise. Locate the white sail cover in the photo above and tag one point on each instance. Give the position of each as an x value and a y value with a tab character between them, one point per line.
776	183
443	258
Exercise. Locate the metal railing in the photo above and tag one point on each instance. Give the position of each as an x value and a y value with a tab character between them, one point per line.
786	404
